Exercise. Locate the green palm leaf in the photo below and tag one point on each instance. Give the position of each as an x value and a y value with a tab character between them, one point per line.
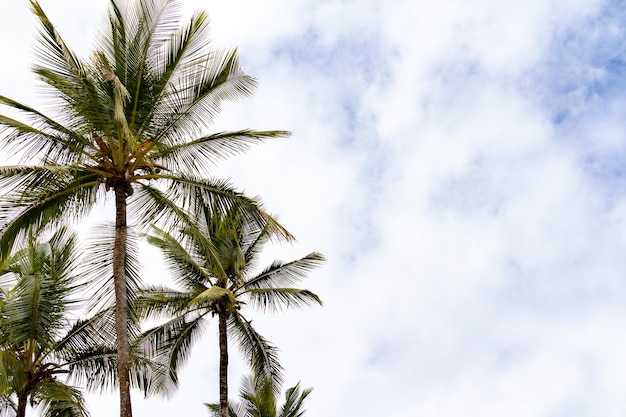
279	299
279	274
293	402
170	343
210	256
261	355
60	400
39	289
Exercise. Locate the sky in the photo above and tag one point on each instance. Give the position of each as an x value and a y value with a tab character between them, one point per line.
462	165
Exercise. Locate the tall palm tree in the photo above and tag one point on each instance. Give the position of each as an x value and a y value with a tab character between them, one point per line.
213	260
35	297
258	399
131	120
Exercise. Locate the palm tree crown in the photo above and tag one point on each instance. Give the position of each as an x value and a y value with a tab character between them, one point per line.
258	399
134	113
35	296
213	262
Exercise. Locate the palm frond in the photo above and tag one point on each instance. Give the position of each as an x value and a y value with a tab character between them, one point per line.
169	57
99	271
37	197
12	373
71	86
163	207
201	154
57	142
185	268
233	411
259	399
98	330
279	299
149	374
60	400
191	103
261	355
293	402
280	274
40	297
258	396
159	302
95	367
170	343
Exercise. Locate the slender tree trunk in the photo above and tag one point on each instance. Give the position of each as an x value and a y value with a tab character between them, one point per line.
22	400
121	302
223	317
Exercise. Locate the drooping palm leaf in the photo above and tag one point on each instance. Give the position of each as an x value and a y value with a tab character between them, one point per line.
261	355
99	270
170	343
60	400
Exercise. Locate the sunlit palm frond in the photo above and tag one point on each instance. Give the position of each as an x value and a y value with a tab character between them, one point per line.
258	396
53	51
35	313
169	57
95	367
71	86
259	399
163	207
148	374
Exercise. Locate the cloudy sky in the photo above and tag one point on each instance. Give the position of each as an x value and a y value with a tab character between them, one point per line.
462	166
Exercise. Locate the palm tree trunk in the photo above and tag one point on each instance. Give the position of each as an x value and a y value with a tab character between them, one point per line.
121	302
22	400
223	340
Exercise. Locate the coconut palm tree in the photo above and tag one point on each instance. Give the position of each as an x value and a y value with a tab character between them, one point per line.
36	294
213	261
258	399
130	120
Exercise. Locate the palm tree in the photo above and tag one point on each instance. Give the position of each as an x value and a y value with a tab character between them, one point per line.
34	327
258	399
213	262
131	120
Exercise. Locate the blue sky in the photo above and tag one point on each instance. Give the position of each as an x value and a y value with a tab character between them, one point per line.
461	164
